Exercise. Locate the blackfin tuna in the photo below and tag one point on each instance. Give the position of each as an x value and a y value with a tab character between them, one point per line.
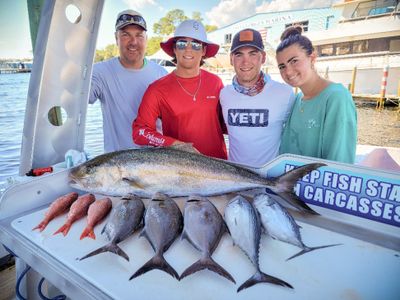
280	225
245	228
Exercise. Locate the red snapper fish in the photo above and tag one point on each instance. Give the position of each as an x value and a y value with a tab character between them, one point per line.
58	207
77	211
97	212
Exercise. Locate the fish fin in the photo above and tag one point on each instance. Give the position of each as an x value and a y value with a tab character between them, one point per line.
259	277
133	182
287	181
309	249
156	262
113	248
188	147
207	263
296	202
41	226
64	229
88	232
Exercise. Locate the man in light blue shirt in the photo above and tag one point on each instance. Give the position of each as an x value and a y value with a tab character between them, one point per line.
120	82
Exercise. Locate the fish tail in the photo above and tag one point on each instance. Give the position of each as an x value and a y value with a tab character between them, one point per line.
210	264
309	249
64	229
42	225
88	232
113	248
287	181
259	277
156	262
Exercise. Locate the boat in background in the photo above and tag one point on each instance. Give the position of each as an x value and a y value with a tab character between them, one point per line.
59	86
368	39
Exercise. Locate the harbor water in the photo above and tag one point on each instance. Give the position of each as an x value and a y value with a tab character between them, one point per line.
378	128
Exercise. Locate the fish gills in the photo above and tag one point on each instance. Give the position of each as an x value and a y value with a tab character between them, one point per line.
77	210
203	228
279	224
124	219
245	229
58	207
97	211
163	223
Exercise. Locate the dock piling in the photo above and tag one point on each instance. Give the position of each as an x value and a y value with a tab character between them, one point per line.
381	101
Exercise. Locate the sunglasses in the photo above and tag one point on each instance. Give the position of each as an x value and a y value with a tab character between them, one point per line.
131	19
183	44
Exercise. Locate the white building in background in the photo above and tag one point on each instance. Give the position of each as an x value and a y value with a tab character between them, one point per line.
361	36
271	25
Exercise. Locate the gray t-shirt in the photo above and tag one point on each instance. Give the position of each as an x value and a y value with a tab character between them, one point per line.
120	92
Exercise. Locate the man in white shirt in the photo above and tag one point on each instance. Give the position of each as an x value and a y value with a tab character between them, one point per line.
254	106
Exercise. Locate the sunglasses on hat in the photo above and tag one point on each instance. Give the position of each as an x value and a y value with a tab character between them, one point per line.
126	18
183	44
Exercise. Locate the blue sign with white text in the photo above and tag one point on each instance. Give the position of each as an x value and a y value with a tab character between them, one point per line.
349	190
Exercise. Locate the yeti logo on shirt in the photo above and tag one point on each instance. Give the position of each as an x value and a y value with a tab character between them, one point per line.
248	117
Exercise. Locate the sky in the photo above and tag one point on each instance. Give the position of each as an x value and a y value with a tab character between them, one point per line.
15	39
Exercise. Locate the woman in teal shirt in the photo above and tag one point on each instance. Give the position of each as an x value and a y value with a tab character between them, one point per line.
323	122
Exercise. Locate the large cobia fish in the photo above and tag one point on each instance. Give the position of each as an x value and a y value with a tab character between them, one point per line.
245	228
124	219
163	223
203	228
176	172
280	225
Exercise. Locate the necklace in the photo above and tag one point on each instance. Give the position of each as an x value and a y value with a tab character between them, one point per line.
187	92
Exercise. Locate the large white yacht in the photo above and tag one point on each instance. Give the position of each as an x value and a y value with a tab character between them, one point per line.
368	38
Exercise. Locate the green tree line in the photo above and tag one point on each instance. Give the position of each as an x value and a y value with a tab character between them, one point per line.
164	27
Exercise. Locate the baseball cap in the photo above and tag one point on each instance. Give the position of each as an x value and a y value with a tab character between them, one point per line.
247	37
128	17
192	29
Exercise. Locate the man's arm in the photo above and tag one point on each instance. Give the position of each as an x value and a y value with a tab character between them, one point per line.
95	85
144	130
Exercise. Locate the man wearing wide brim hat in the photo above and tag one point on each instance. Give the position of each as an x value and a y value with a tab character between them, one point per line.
186	100
120	82
194	30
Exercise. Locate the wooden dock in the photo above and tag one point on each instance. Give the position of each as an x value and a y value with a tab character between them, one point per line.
7	280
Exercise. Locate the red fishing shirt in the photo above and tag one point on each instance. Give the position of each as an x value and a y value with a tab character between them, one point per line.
196	121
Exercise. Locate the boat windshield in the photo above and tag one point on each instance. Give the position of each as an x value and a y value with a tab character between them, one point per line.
372	8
